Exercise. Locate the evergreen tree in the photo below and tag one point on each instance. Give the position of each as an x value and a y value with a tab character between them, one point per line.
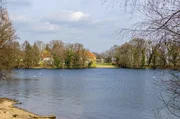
35	55
28	55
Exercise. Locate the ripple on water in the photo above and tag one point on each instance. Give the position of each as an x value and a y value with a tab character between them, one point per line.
85	94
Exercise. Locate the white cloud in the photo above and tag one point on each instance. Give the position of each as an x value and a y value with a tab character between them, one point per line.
21	18
76	16
66	25
69	16
46	27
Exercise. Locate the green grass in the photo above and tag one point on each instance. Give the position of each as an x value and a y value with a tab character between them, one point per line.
105	65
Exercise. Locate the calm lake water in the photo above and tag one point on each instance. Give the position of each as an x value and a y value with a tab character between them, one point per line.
85	94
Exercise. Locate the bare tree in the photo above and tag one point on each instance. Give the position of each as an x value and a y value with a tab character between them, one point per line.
161	24
162	18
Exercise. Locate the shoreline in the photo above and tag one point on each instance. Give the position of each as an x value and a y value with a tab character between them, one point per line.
8	110
68	68
104	67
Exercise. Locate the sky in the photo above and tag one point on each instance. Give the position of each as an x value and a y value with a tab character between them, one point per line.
88	22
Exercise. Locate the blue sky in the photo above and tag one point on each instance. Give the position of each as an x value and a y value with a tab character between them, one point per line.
84	21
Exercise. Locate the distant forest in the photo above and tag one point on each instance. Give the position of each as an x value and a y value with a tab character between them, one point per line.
55	54
140	53
137	53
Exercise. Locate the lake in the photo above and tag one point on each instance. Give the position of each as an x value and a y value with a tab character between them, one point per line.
85	93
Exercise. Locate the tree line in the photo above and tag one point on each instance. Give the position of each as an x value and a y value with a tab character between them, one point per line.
55	54
140	53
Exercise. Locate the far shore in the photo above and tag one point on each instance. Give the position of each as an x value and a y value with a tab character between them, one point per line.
68	68
106	66
8	110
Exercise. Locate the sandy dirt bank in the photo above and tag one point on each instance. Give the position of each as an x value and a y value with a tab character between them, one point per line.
9	111
105	67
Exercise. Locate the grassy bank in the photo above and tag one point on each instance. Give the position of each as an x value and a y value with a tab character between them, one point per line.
105	65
